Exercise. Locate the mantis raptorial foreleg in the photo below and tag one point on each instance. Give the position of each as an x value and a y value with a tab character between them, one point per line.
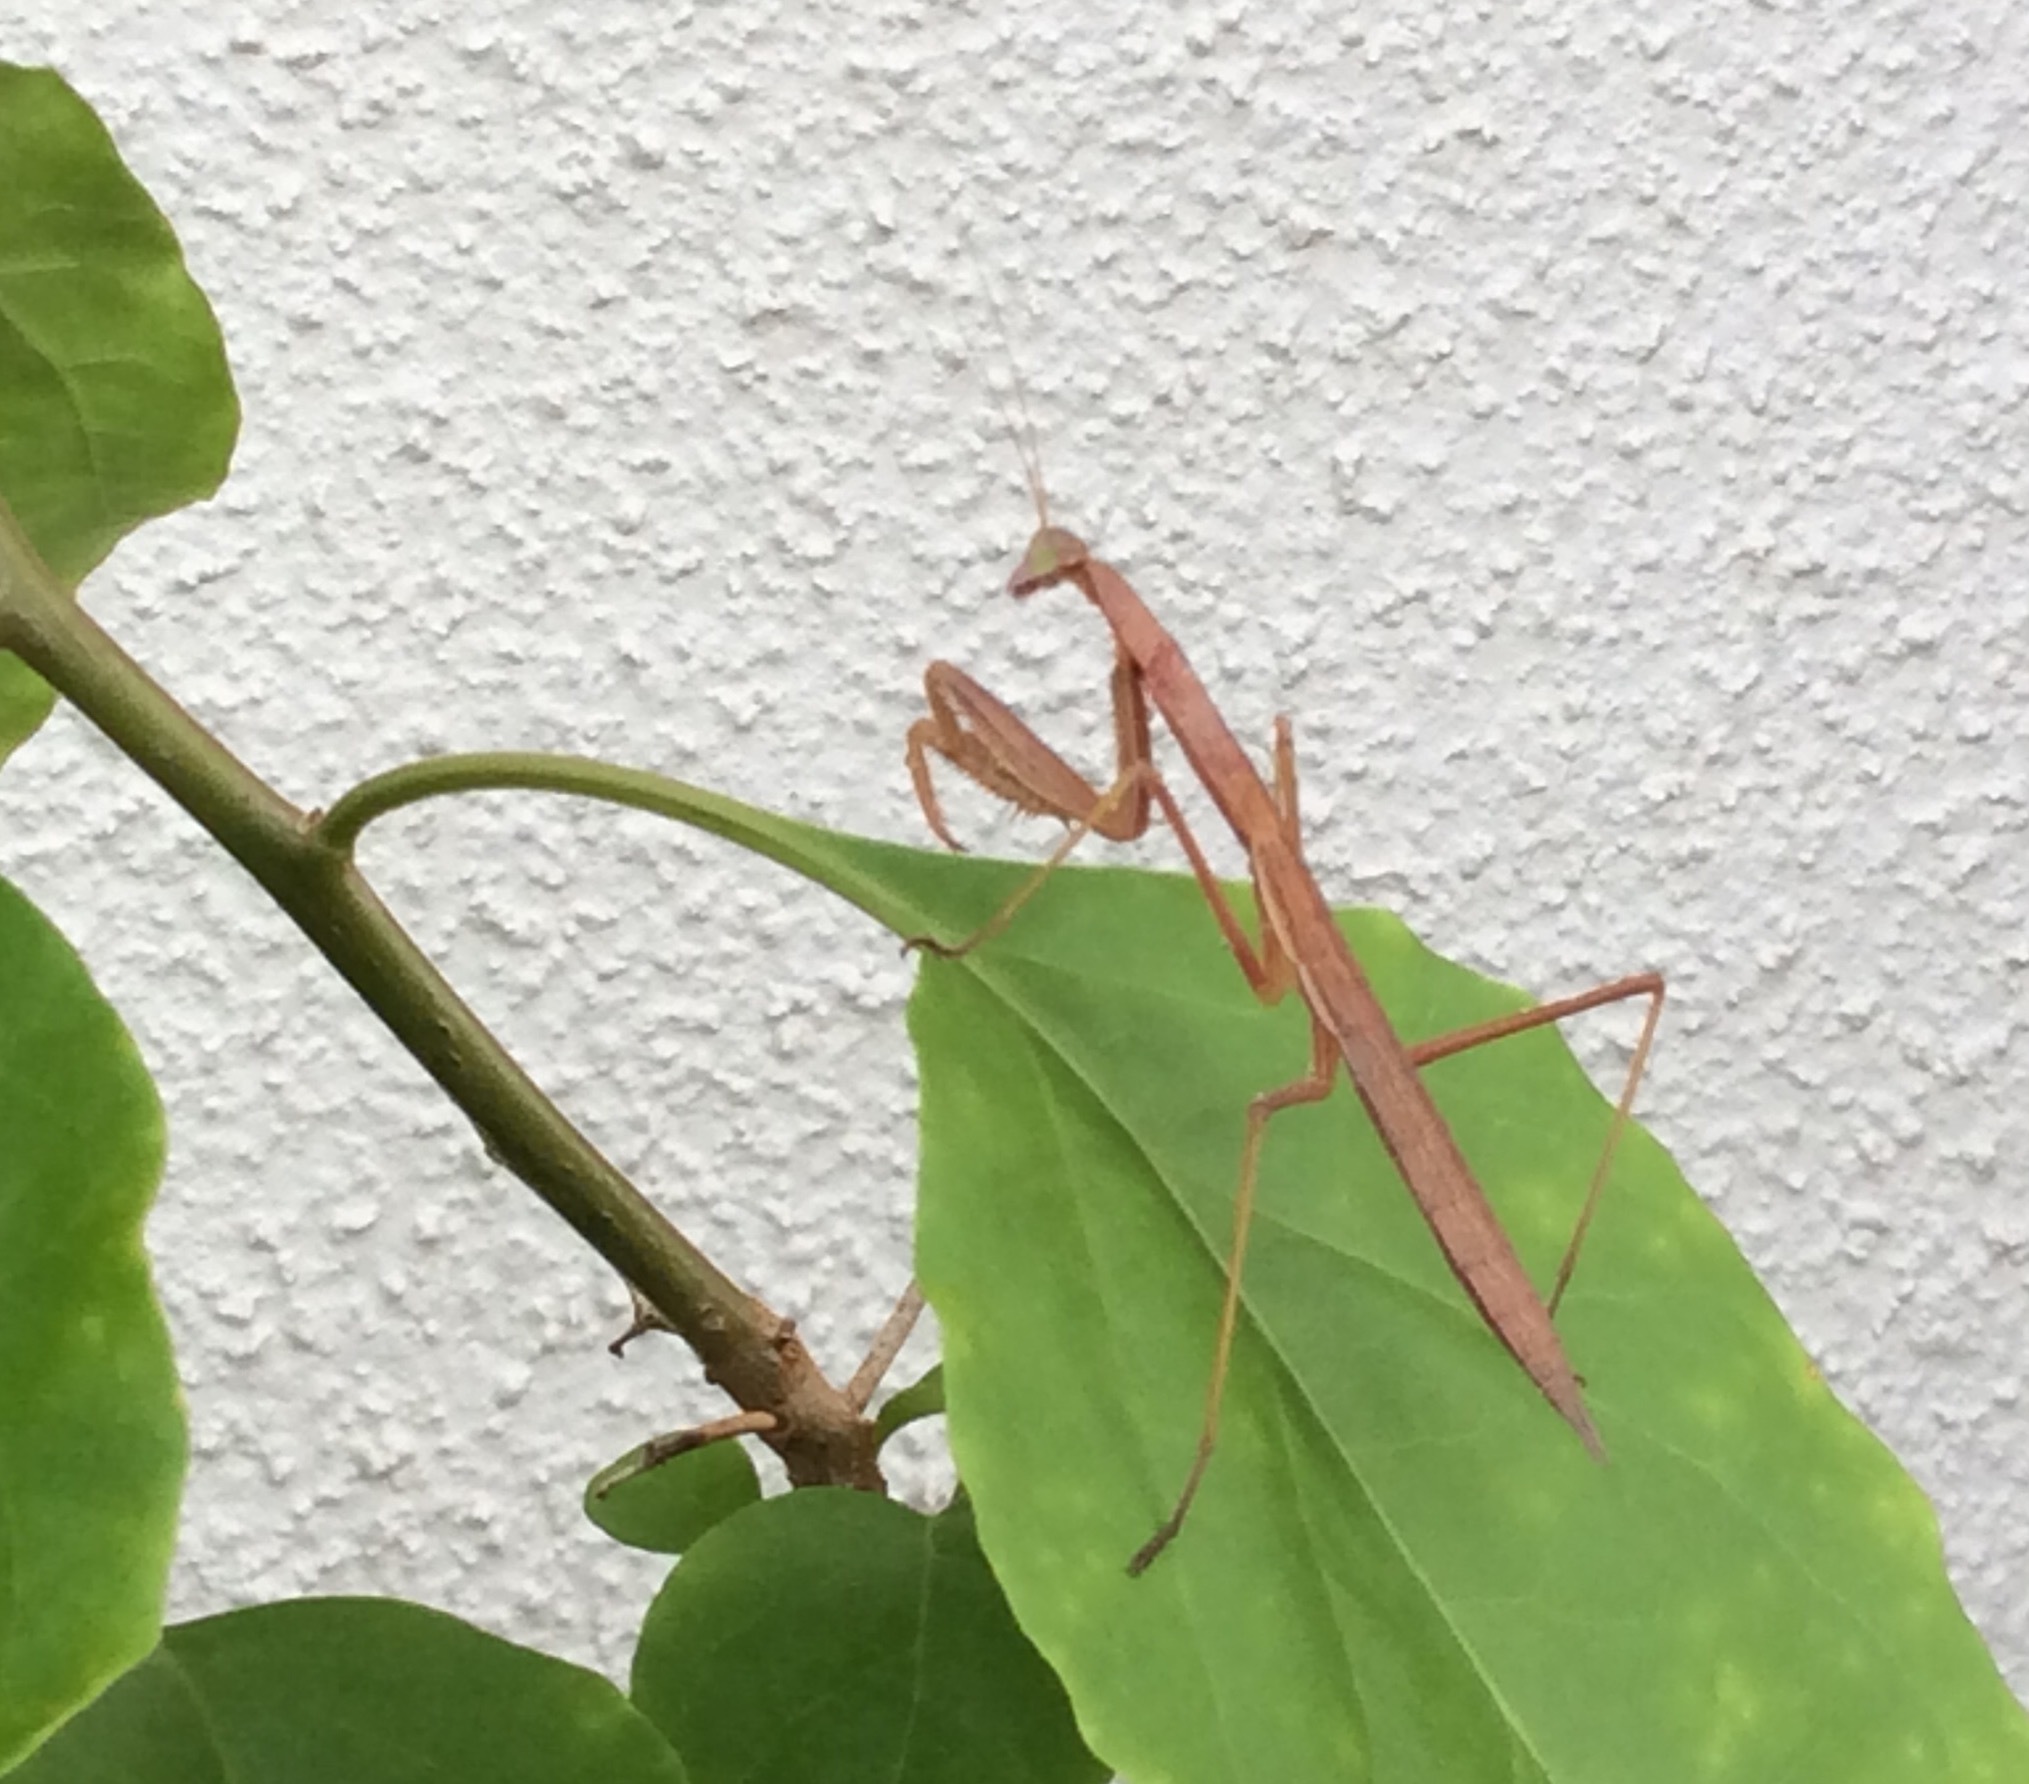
981	736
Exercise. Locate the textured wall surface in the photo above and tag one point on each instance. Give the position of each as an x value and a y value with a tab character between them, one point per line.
1600	425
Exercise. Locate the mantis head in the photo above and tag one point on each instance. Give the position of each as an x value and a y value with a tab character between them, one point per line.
1053	555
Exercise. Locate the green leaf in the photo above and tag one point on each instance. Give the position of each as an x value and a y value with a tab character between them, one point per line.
668	1507
353	1691
91	1430
1402	1565
115	401
838	1636
922	1399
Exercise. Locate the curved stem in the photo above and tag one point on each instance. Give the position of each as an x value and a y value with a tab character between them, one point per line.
746	1348
493	771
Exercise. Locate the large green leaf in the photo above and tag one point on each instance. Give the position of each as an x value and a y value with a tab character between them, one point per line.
839	1636
115	401
353	1691
91	1431
1403	1565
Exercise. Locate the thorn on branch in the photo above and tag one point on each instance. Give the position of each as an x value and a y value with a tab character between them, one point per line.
644	1319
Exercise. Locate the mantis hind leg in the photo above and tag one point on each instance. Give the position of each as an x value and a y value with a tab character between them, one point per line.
1649	985
1313	1087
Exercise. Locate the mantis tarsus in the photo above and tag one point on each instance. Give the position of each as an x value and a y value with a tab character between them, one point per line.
1300	949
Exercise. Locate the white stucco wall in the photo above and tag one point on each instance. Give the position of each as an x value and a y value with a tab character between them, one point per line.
1600	424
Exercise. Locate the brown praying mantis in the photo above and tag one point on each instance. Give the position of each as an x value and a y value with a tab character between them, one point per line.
1300	949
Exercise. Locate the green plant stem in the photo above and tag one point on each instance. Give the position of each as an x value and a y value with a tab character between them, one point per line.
747	1349
496	771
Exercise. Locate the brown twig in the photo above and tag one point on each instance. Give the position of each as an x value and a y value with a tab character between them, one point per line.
886	1347
747	1349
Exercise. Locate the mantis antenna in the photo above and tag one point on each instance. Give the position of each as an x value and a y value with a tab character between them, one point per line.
1027	443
